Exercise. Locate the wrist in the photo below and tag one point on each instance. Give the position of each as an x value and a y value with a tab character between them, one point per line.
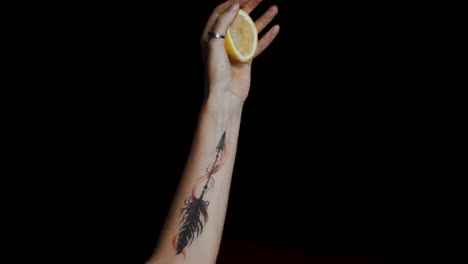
224	105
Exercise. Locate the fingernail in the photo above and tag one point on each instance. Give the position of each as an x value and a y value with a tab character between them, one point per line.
234	6
275	29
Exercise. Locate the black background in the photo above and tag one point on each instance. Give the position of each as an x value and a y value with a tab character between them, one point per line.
343	139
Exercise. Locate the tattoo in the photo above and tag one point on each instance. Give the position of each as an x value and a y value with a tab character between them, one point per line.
195	212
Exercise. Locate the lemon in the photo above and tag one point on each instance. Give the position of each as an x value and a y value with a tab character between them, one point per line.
242	38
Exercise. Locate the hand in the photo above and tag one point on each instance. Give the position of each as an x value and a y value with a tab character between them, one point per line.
226	77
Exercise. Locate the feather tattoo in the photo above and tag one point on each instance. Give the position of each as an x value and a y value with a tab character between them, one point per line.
195	212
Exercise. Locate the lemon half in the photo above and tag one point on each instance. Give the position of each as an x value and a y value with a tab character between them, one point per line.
242	38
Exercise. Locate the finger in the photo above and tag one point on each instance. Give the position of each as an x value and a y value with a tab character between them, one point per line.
266	18
266	40
223	22
250	5
211	21
243	2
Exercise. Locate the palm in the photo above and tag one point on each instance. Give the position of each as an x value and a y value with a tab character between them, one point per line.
241	72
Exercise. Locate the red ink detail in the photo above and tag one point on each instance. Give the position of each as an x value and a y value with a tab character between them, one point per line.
174	242
212	172
197	183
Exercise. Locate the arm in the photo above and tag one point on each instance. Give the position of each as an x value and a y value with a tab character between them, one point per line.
194	225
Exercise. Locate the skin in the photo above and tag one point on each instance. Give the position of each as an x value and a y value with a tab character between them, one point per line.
227	85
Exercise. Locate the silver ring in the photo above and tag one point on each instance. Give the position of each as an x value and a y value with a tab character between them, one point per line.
212	34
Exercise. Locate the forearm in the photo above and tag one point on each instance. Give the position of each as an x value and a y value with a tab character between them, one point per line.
195	222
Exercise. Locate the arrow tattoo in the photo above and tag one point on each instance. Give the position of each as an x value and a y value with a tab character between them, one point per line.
195	212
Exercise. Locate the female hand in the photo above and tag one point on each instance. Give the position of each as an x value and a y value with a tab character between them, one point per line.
227	79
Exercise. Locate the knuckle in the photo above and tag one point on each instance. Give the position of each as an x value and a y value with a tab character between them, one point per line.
218	9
